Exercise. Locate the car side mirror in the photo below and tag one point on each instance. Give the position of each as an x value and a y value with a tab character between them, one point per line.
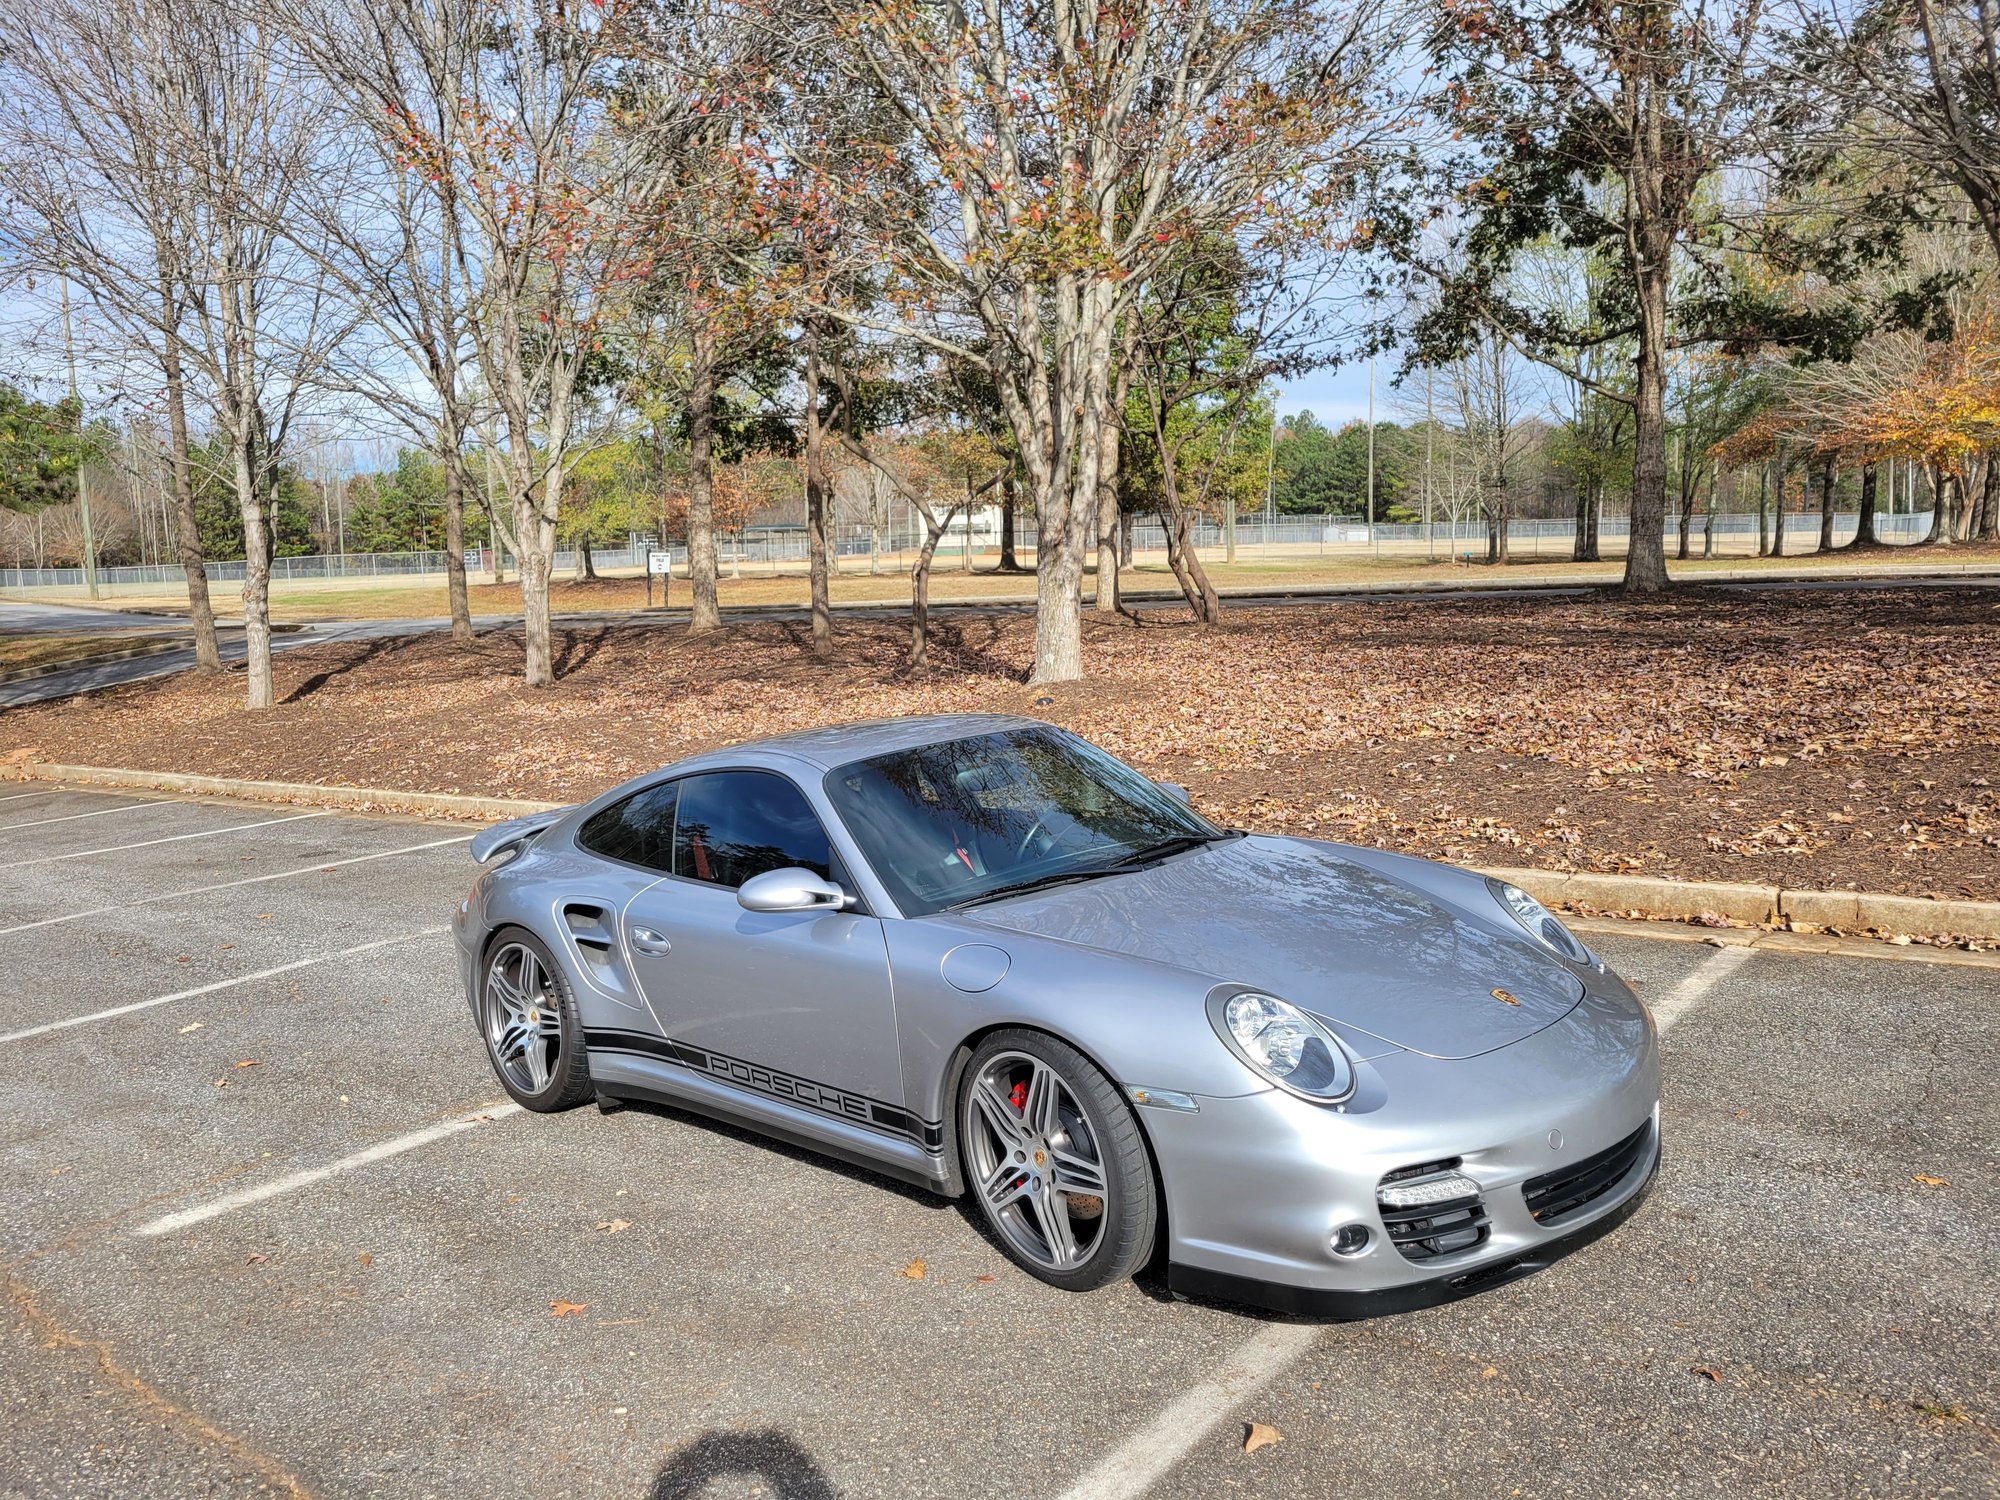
790	890
1175	790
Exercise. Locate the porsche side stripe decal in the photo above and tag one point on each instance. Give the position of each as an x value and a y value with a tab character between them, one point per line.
824	1097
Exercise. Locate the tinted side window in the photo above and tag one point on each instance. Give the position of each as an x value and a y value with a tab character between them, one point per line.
638	830
735	824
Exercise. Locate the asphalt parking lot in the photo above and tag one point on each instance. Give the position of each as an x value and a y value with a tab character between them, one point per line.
267	1228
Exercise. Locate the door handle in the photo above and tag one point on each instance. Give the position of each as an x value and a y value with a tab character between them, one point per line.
653	944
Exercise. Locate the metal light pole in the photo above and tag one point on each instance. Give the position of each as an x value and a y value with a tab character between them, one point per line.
1430	437
82	483
1371	452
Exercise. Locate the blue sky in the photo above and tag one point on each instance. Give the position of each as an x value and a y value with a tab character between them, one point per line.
1338	396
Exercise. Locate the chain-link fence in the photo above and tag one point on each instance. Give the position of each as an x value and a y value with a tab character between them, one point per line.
976	541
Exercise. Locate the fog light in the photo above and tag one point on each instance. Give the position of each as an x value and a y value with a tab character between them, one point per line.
1350	1239
1420	1191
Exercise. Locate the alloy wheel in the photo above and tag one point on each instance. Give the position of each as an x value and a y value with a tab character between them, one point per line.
523	1018
1035	1162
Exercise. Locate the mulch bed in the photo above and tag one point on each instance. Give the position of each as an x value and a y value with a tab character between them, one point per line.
1806	739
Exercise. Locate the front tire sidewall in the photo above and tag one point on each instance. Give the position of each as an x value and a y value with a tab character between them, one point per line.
1131	1203
569	1082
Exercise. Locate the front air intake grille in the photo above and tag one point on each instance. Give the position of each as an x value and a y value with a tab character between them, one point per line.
1569	1189
1432	1229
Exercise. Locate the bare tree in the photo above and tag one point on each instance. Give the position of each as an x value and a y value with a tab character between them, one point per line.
394	243
1047	160
99	190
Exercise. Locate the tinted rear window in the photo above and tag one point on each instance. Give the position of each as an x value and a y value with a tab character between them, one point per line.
638	830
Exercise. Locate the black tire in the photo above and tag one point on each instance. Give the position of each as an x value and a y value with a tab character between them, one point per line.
1096	1127
568	1070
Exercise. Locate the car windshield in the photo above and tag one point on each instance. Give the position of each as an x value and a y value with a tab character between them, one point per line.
994	814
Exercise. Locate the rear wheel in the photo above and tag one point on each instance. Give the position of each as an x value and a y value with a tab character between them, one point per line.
533	1036
1056	1160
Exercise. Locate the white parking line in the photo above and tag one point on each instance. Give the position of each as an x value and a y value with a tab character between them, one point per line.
208	989
17	796
226	885
1679	1000
379	1152
99	813
173	838
1144	1458
1149	1455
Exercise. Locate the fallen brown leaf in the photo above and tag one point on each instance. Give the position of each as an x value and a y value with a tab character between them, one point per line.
191	1026
364	1258
562	1309
1260	1435
914	1270
250	1062
1706	1372
1926	1180
255	1258
613	1226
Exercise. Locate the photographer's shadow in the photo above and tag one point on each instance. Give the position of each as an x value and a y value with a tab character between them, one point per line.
786	1470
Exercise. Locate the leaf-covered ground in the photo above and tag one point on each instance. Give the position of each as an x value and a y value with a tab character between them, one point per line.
1812	739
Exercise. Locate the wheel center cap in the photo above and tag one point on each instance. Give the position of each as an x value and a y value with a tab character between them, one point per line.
1040	1158
534	1017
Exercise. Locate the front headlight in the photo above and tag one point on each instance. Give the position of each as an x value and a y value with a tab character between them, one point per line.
1282	1043
1542	924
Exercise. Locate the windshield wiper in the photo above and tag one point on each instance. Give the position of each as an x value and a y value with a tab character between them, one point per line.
1039	883
1167	848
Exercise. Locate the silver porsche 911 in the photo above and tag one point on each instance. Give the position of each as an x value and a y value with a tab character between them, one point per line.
980	954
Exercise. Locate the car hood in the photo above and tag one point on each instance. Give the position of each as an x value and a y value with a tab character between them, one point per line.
1351	945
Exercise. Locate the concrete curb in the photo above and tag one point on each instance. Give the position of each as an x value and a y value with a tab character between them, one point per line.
359	798
1685	900
1674	900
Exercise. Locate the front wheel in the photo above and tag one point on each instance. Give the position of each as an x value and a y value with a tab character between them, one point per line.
534	1038
1056	1160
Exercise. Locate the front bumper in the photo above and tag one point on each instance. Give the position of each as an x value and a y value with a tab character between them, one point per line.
1346	1306
1257	1186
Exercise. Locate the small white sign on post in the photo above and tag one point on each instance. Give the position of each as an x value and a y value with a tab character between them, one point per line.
659	564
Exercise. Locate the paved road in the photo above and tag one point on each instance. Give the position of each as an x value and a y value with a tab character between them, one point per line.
350	1290
15	618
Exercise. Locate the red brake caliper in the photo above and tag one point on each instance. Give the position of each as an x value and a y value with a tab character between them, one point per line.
1018	1097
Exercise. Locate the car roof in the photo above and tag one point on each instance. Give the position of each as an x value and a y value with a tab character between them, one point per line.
838	744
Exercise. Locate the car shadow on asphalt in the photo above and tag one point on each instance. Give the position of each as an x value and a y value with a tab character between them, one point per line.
1151	1279
786	1470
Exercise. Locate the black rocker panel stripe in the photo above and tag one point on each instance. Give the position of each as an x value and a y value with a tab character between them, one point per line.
857	1109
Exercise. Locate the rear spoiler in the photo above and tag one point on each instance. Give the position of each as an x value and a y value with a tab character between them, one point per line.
508	837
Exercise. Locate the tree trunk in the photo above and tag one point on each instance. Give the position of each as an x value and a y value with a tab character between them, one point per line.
1864	516
1778	517
1646	553
1067	523
816	551
1763	503
586	560
1989	502
454	547
187	532
1686	505
1827	473
705	614
1708	519
1940	532
1106	598
1009	501
1583	546
256	568
920	589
